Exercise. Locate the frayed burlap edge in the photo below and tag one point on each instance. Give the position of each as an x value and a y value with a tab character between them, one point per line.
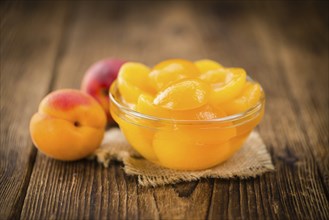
252	160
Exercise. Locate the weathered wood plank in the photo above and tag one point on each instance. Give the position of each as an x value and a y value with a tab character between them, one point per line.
29	41
295	190
304	73
302	158
306	59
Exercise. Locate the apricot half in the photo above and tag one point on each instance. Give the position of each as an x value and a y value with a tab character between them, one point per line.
133	80
207	65
169	71
226	83
249	97
183	95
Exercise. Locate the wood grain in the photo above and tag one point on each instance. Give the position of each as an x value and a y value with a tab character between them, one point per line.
282	45
297	176
29	42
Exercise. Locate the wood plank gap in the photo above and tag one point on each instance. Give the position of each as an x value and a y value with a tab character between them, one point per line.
258	197
117	183
102	192
126	196
93	194
265	195
137	194
210	198
243	199
322	180
229	201
26	182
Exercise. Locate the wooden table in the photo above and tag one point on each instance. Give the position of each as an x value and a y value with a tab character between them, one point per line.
47	46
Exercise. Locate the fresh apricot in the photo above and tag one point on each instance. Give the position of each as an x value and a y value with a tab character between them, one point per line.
69	125
98	79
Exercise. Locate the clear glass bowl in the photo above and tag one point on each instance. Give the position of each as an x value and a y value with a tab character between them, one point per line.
184	144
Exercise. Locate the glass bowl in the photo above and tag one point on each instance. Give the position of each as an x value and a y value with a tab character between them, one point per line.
184	144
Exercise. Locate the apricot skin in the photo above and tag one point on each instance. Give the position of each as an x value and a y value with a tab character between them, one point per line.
69	125
98	79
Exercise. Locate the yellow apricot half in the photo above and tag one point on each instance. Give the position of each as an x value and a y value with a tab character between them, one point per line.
248	98
228	87
206	65
183	95
169	71
133	80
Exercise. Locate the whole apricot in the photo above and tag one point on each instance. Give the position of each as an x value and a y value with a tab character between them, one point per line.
69	125
98	79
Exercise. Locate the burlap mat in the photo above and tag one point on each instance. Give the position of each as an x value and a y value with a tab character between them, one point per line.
252	160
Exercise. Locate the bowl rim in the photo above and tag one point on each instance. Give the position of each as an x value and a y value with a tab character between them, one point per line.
236	117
